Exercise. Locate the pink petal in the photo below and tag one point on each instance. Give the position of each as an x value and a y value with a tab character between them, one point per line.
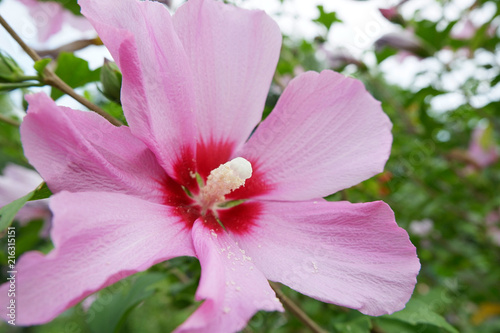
99	239
326	133
233	54
233	289
48	17
352	255
16	182
80	151
77	22
157	90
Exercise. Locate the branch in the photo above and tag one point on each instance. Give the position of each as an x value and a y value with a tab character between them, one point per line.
55	81
70	47
296	310
16	85
9	121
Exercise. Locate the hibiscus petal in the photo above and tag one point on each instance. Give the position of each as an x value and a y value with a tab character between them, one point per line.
48	17
326	133
99	239
233	54
352	255
17	181
80	151
157	89
233	289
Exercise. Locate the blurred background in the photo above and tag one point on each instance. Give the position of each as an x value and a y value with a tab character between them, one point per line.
434	65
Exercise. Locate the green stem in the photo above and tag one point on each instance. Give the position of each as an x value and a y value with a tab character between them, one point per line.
9	121
12	86
50	78
296	310
29	78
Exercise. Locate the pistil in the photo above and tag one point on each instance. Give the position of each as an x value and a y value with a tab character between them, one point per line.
223	180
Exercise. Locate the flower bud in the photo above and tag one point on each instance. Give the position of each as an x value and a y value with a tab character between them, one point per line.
392	14
9	69
404	41
111	79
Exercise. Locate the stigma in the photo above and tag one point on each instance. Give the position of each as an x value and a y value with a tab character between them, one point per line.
223	180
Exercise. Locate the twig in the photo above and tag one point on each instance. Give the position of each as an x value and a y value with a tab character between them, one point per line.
16	85
55	81
296	310
70	47
9	121
19	41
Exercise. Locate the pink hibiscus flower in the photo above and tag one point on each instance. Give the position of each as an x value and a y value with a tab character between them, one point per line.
50	16
194	87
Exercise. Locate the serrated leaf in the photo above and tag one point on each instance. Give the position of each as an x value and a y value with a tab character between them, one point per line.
112	316
9	211
74	71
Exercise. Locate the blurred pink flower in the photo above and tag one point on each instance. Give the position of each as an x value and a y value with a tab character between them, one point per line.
389	13
18	181
50	17
392	13
482	150
493	226
464	29
405	42
187	178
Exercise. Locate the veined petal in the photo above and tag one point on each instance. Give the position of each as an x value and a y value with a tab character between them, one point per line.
80	151
233	54
233	289
326	133
99	239
352	255
157	89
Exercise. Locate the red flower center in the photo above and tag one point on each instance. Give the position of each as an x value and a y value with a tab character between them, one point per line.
191	197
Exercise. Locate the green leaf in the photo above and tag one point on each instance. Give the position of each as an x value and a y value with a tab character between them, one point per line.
28	236
110	317
487	140
417	312
326	18
42	192
353	322
9	211
74	71
40	65
385	53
